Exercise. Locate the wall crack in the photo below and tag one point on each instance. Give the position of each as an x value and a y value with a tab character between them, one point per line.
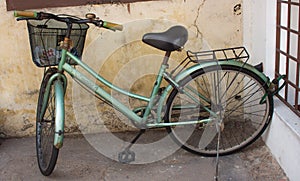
198	32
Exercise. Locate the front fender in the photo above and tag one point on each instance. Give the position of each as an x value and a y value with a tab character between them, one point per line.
59	114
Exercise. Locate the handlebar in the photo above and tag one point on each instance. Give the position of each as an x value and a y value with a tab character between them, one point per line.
25	15
112	26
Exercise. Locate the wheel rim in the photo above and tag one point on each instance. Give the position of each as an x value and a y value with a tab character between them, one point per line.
45	130
244	119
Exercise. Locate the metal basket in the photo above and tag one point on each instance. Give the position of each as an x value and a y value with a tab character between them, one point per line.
46	36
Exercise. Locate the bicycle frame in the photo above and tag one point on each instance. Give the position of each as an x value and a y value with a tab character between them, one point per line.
140	122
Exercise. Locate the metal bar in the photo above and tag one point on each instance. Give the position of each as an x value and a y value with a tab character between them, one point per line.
286	53
178	123
298	64
157	84
288	47
290	2
104	81
278	20
288	29
102	93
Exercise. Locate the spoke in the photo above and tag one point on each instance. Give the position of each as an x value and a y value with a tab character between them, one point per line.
201	87
47	129
243	102
225	135
231	83
234	95
251	113
208	134
232	98
208	92
248	104
198	94
236	88
197	101
253	101
239	116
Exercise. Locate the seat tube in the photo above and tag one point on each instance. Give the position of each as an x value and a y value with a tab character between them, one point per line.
164	66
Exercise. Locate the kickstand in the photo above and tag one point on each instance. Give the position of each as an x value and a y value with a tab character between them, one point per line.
218	156
127	155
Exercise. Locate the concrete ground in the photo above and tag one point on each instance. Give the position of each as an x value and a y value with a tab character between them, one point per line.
78	160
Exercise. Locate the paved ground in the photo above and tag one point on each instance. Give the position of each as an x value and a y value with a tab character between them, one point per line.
80	161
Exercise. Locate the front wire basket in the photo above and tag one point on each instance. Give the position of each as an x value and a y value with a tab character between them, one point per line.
45	38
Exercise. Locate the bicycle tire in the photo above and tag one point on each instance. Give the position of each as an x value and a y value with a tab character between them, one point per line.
47	153
244	118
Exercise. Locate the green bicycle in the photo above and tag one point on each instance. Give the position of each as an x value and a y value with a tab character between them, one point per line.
215	103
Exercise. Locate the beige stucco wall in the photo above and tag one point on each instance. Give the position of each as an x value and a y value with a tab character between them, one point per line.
211	23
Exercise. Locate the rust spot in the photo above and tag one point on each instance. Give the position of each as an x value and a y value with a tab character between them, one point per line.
128	8
58	145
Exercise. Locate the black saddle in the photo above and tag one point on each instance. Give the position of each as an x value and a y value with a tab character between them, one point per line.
170	40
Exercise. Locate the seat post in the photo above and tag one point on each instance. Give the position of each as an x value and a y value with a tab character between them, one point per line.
166	58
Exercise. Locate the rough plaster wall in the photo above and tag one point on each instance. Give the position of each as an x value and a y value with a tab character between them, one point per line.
215	24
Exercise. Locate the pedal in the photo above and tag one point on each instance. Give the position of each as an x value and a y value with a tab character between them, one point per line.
126	156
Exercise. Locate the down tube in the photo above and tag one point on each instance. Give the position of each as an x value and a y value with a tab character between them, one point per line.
102	93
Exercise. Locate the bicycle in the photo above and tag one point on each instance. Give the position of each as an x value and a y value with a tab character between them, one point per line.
215	103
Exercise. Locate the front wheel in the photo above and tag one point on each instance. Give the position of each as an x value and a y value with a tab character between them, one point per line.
234	94
47	153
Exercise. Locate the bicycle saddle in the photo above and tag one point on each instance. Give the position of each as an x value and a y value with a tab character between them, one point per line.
170	40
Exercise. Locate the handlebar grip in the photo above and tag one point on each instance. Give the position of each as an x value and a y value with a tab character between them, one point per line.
112	26
27	14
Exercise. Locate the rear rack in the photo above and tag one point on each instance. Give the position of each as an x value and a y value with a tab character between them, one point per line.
236	53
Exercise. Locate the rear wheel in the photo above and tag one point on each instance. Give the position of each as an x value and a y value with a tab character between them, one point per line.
234	94
47	153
